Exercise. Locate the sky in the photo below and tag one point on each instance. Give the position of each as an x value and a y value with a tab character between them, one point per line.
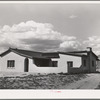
50	27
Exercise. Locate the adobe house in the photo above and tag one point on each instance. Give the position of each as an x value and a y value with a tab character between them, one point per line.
17	60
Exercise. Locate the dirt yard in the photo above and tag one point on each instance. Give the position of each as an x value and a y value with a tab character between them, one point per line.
38	81
90	82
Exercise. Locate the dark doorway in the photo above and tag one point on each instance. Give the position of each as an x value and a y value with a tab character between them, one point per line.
26	63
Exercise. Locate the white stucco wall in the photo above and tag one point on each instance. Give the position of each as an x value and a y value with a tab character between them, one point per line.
33	68
19	63
62	62
62	65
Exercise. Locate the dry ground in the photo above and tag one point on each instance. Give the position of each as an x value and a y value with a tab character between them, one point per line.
90	82
49	81
38	81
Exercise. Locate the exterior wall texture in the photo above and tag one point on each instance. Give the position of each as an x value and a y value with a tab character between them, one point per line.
62	62
83	68
19	63
90	65
92	59
33	68
62	65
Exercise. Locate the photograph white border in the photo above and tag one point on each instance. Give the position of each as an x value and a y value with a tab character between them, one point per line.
49	94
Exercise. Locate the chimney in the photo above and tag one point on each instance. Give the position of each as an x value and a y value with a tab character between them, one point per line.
89	58
90	49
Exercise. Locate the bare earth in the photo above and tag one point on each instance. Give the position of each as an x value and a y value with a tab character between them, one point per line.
37	81
49	81
91	82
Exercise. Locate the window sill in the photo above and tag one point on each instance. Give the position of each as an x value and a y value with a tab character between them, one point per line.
11	68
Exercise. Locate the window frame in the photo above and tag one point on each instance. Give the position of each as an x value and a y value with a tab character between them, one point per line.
53	64
10	63
70	62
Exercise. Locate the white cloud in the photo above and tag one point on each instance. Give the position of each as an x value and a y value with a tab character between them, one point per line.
42	37
31	34
72	16
31	29
94	42
64	38
72	44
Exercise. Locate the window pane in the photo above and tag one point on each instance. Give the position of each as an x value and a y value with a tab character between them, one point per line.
54	63
70	63
10	63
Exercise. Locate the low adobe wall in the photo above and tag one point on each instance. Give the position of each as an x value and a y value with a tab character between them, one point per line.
72	70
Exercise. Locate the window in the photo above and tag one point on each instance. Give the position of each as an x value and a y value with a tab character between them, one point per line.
84	62
70	63
92	63
54	63
11	63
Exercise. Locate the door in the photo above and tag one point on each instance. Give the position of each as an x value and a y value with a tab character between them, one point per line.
69	66
26	65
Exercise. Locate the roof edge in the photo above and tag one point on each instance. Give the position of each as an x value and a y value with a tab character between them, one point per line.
66	53
12	50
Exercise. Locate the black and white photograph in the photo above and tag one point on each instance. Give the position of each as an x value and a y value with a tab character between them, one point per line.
50	46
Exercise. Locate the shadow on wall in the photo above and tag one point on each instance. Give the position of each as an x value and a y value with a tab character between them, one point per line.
74	70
